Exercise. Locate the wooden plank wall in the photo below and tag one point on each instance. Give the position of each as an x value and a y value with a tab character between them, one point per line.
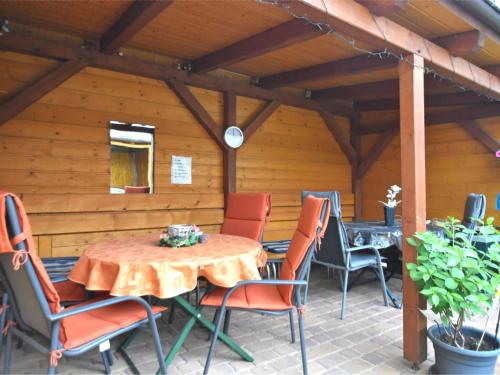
55	155
456	165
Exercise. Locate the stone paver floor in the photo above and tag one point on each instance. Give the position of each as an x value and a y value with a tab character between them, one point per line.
367	341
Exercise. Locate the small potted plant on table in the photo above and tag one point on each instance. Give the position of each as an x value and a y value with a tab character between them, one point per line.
459	282
391	204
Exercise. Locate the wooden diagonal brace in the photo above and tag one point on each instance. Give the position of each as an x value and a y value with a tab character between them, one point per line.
197	110
30	94
256	122
480	134
376	151
334	128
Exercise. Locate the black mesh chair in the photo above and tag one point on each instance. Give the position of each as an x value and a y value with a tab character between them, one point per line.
475	208
335	252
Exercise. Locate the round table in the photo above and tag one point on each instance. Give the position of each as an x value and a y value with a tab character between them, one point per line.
139	266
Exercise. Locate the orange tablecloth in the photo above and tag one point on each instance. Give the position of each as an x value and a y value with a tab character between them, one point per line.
138	266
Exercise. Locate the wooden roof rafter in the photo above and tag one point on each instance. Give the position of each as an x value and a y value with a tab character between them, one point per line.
133	20
384	7
280	36
437	100
453	115
463	44
332	69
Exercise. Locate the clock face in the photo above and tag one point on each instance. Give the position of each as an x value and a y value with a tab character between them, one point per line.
233	136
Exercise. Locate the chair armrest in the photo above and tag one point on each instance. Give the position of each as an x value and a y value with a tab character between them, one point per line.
97	305
59	279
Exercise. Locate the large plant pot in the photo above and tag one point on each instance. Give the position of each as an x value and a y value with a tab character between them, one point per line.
389	214
452	360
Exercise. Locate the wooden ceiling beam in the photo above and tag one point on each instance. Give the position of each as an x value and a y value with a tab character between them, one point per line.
431	119
258	120
372	90
382	142
277	37
133	20
30	94
463	44
332	69
483	136
35	46
438	100
335	129
197	110
384	7
355	21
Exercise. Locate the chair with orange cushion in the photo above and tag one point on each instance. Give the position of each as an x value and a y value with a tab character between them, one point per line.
35	314
277	297
247	214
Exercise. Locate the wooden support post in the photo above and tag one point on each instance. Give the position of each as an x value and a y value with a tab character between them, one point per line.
229	154
355	140
412	129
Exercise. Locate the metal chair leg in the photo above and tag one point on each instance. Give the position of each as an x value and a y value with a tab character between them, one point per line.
227	321
292	327
303	343
344	293
105	360
382	282
8	353
3	316
171	314
213	343
157	342
109	353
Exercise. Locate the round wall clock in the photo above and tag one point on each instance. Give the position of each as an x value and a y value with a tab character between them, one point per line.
233	136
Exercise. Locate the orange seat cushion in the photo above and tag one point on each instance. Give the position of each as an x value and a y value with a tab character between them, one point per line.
252	296
70	292
82	328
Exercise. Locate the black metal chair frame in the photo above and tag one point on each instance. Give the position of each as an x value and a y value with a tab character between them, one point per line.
47	324
301	283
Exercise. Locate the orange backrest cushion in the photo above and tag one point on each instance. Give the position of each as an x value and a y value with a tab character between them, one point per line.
304	236
246	214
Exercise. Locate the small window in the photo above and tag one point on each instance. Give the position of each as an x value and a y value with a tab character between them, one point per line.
132	153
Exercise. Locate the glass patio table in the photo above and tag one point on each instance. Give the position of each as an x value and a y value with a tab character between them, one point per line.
138	266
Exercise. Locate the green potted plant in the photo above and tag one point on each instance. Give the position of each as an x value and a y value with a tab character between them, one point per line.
459	282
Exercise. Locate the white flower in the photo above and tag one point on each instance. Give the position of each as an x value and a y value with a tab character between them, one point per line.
395	188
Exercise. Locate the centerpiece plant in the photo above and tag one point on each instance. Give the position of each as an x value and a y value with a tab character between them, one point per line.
459	282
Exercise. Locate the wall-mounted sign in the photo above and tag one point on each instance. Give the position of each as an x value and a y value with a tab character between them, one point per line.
181	170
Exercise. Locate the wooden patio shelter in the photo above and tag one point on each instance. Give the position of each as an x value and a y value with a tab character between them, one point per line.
317	110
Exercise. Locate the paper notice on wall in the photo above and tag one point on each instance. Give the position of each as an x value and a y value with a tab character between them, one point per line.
181	170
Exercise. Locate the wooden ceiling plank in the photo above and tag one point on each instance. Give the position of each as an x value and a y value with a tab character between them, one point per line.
197	110
463	44
384	7
258	120
133	20
332	69
30	94
383	141
480	134
438	100
280	36
35	46
461	114
335	129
